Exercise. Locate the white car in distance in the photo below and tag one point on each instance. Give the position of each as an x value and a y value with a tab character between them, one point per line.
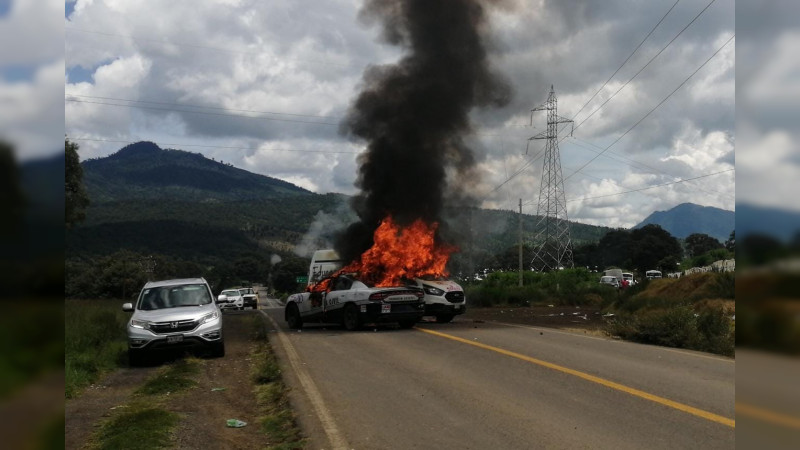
230	299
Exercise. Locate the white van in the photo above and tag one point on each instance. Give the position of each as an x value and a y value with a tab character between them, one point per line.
323	264
651	274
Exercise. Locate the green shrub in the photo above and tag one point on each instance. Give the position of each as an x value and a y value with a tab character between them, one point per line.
94	341
678	326
563	287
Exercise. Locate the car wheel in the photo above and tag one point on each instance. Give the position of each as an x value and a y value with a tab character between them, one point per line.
218	349
136	357
444	318
293	317
406	324
350	317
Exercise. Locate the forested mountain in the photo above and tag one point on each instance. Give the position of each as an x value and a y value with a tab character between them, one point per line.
688	218
143	171
782	224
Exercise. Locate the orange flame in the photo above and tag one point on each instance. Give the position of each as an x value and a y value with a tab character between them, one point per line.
402	253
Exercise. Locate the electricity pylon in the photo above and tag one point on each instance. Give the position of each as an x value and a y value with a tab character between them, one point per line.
551	240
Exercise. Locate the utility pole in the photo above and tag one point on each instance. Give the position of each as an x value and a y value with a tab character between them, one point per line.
520	242
552	242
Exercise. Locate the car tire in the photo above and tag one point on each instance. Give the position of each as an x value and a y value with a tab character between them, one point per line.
293	317
444	318
350	319
218	349
136	357
406	324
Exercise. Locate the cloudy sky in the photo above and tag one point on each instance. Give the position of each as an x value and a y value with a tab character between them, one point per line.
263	85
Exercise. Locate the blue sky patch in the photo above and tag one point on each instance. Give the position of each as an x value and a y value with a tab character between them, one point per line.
18	72
69	7
78	74
5	7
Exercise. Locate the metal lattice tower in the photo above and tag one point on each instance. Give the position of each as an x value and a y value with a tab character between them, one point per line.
551	241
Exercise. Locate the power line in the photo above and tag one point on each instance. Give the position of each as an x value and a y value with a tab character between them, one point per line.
626	59
201	112
165	144
650	187
527	164
647	64
70	98
631	161
654	108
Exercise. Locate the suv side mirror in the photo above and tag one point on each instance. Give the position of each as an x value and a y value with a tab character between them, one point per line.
222	297
127	307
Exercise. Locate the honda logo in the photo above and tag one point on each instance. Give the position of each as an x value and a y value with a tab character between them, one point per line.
173	325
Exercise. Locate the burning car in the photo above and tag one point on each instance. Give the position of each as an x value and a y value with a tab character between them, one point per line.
443	298
347	300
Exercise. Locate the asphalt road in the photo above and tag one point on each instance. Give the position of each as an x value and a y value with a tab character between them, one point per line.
491	386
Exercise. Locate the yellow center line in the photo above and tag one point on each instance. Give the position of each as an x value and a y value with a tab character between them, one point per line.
610	384
767	415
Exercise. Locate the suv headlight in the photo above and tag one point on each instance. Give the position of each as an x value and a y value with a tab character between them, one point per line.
209	317
143	324
432	290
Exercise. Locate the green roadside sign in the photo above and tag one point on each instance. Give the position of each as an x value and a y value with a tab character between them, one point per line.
303	279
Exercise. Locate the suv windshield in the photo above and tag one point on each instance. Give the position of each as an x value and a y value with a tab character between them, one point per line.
174	296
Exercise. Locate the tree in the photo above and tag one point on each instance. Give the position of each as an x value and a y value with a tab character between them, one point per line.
730	244
284	274
75	197
614	249
699	243
652	246
11	195
587	255
761	248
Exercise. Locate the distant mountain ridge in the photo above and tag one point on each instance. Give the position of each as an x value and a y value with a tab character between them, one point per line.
779	223
689	218
143	170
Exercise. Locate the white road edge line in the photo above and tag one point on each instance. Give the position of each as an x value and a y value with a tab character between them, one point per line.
328	424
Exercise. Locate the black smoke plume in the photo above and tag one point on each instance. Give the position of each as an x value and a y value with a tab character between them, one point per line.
414	115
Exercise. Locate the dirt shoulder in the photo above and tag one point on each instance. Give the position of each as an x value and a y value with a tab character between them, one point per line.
203	409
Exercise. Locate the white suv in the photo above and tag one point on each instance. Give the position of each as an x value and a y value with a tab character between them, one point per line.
230	299
174	314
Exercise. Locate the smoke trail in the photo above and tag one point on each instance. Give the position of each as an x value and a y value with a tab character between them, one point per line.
414	115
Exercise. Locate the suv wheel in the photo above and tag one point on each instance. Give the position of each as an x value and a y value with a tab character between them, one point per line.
136	357
218	349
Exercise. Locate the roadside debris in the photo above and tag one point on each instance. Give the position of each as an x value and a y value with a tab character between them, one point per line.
217	389
235	423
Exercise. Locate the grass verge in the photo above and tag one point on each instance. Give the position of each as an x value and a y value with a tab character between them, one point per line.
276	417
139	427
142	423
693	312
174	378
94	341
